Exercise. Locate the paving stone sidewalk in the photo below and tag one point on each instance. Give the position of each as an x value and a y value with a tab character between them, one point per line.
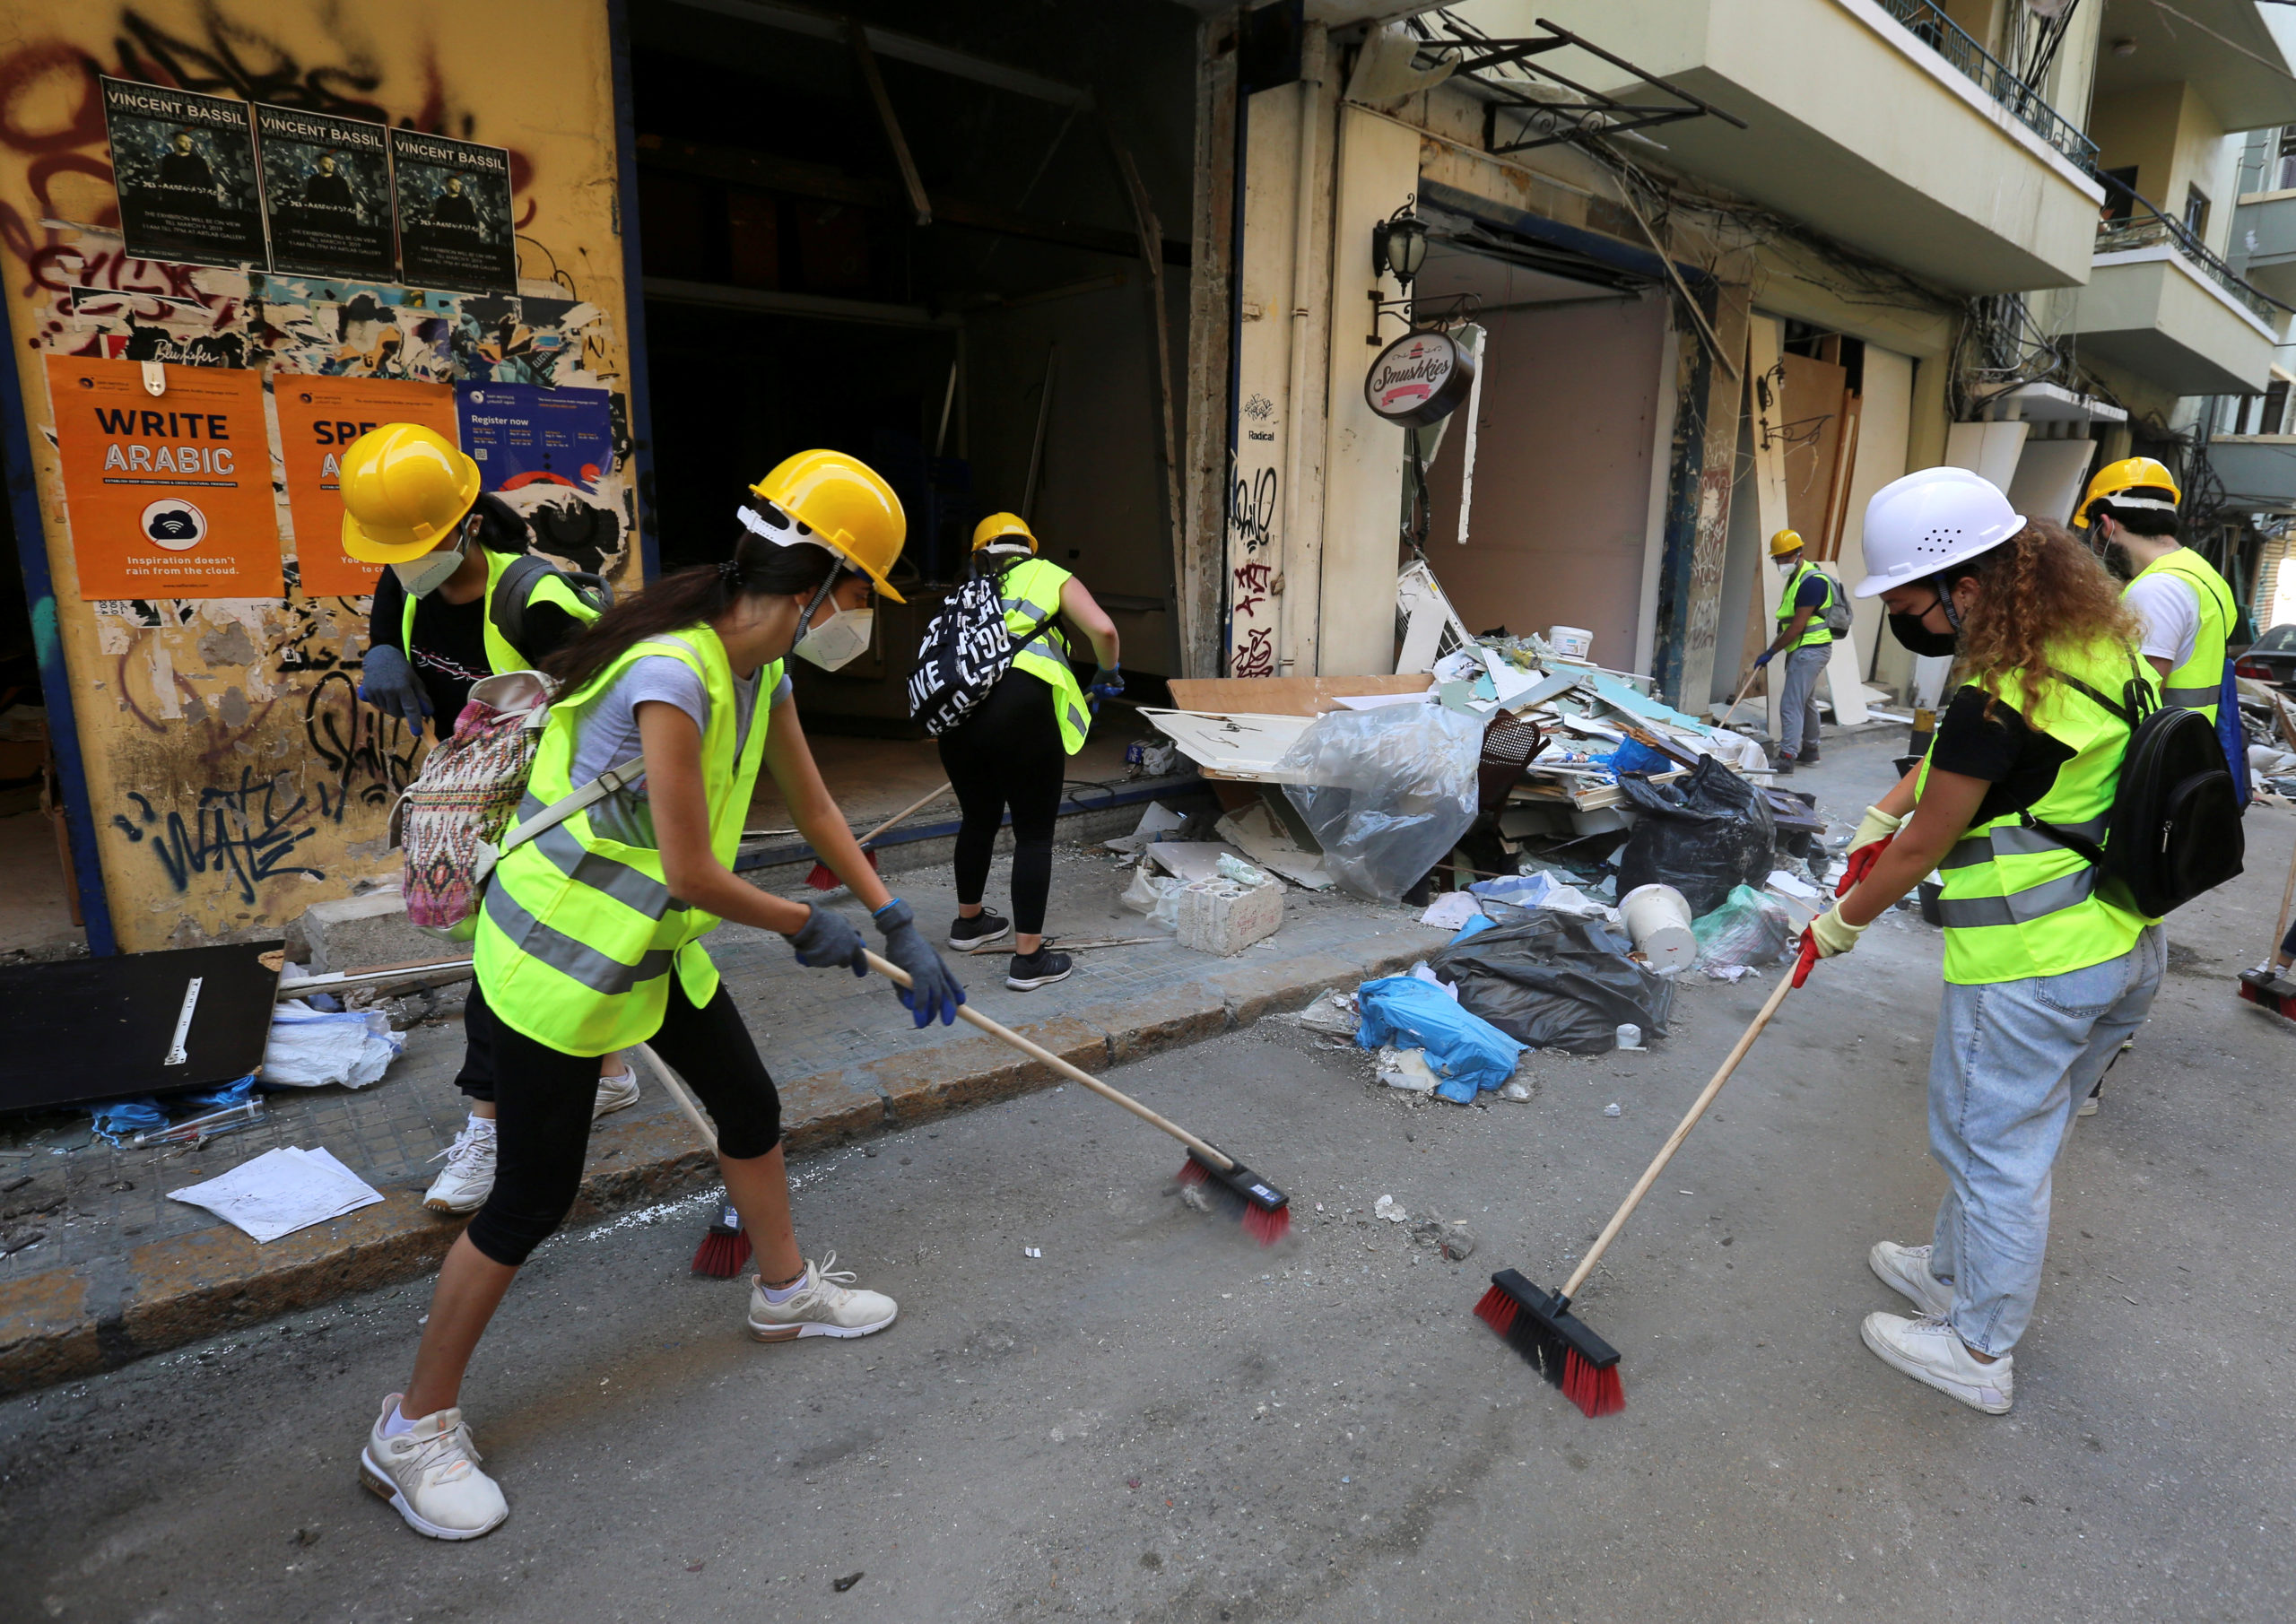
123	1272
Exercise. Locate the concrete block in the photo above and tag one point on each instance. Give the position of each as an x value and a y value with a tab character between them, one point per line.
1222	917
359	932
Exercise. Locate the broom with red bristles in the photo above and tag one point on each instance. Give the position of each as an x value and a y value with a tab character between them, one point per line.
1541	1328
727	1246
821	880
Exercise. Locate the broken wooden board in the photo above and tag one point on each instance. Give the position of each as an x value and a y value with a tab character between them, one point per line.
1231	745
1285	696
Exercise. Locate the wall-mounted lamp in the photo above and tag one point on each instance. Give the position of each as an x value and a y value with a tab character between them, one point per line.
1399	245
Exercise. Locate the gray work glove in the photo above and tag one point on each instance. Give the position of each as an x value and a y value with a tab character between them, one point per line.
826	938
388	683
934	988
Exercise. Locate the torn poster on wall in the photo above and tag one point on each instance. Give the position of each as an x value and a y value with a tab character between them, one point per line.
168	495
326	193
455	224
185	167
319	418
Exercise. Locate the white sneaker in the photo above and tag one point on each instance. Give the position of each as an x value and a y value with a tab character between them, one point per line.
1930	1350
468	1177
820	1307
616	1093
1905	1270
2089	1106
430	1476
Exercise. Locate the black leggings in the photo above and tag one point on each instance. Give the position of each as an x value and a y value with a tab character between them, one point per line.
1008	753
543	1100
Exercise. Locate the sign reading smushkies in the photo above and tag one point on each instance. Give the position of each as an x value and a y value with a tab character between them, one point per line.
169	495
319	419
1419	379
184	166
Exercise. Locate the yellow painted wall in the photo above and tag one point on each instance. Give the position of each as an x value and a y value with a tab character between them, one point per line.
2173	136
235	778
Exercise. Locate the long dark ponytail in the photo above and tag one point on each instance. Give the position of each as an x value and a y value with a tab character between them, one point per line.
759	567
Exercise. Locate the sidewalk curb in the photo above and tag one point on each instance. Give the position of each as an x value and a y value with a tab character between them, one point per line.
61	1323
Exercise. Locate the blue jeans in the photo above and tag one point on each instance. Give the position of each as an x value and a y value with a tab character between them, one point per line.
1797	706
2013	1061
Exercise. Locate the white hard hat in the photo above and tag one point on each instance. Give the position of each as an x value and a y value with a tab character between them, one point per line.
1916	526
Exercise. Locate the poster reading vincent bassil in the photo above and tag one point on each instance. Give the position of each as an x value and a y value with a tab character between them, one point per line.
168	495
327	191
185	167
454	227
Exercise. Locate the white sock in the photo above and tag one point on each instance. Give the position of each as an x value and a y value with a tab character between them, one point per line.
782	1294
395	1423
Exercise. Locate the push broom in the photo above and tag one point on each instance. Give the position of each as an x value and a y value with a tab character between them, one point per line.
1541	1328
725	1247
821	880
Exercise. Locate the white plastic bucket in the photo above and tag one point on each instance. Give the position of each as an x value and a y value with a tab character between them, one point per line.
1571	642
1658	917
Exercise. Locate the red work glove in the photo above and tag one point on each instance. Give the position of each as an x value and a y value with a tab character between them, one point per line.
1809	956
1860	864
1875	830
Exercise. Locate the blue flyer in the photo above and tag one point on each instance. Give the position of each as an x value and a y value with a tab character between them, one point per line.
520	435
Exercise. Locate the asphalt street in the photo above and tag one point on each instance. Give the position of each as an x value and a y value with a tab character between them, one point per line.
1158	1419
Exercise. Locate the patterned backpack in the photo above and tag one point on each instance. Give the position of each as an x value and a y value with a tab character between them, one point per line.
452	820
966	652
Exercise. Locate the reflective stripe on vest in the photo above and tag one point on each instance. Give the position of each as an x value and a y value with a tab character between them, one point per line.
1030	590
2197	684
500	656
578	933
1817	631
2016	904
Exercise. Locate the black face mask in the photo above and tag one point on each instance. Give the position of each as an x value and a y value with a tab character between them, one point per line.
1911	632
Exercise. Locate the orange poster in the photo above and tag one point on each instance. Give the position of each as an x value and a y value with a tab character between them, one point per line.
168	494
318	417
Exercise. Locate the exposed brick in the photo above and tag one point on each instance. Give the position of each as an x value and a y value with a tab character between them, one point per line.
47	1332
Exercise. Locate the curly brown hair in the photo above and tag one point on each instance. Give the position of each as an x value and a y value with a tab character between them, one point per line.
2041	589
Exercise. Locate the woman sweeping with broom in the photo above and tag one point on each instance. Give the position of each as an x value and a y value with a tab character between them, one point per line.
2045	974
589	935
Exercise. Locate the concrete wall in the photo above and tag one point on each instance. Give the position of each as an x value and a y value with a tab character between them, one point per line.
234	779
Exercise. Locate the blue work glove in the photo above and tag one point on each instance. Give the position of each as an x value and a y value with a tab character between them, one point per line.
1107	682
828	937
934	988
389	685
1767	655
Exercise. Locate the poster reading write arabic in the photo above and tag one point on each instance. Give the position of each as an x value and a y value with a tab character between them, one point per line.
326	193
184	167
520	435
169	495
319	419
454	213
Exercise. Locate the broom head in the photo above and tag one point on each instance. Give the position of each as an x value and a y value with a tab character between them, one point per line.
2271	992
821	880
1542	1329
724	1249
1243	1194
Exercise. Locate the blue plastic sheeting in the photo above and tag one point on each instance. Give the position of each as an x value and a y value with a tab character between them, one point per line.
1469	1054
116	1119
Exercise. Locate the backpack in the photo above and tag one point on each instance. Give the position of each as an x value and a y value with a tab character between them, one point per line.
966	652
517	586
451	821
1838	616
2174	829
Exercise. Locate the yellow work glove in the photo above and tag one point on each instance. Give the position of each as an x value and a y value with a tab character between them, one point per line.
1834	935
1876	825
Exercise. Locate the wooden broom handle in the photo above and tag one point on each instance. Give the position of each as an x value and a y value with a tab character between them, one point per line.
1674	1140
677	1092
914	806
2280	920
1002	1034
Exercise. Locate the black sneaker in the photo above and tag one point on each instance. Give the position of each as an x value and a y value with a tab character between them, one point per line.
1781	764
1809	758
1029	971
978	931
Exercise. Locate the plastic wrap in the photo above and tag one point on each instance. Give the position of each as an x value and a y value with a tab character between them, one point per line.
1702	835
1748	929
1467	1056
1552	982
1386	792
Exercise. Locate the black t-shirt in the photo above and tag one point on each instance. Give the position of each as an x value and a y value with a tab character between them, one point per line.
1811	594
449	652
2018	761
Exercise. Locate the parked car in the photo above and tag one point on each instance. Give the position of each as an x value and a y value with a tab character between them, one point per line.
2271	658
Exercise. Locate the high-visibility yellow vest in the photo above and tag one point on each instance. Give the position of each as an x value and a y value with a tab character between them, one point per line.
2199	682
578	934
2016	904
549	588
1031	591
1817	632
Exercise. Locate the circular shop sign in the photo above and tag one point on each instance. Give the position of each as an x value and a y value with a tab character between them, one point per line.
1419	379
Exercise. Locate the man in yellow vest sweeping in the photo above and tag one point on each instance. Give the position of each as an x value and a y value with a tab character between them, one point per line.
1806	641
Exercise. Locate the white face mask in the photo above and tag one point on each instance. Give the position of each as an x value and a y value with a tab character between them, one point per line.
424	576
839	640
1788	566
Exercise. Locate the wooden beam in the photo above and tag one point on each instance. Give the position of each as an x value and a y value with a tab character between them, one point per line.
865	60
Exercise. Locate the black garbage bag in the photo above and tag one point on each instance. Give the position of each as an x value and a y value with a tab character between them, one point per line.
1554	981
1703	835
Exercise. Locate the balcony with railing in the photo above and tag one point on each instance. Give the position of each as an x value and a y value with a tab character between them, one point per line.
2160	304
1974	63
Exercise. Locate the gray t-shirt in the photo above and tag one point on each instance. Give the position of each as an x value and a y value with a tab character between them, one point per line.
608	733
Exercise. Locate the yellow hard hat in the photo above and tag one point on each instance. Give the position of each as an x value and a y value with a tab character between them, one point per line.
1784	543
2130	473
404	489
997	527
846	505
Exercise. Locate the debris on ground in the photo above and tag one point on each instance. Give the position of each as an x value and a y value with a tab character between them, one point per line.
1405	1069
311	1048
1467	1054
1547	981
1387	1207
1750	928
1333	1013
